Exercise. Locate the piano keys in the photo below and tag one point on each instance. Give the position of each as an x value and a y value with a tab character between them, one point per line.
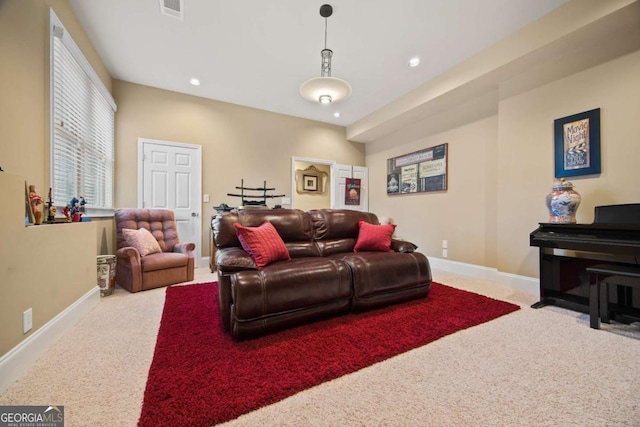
566	250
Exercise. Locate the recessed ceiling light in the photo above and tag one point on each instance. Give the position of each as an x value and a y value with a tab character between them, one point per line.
336	114
414	62
194	81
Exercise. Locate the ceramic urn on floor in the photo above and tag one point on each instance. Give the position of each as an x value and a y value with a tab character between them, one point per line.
563	202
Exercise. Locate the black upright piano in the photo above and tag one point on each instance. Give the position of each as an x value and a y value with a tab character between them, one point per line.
566	250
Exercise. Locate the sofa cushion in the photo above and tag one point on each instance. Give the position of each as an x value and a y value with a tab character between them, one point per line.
163	261
381	278
331	224
299	284
142	240
263	243
374	237
336	230
293	225
224	233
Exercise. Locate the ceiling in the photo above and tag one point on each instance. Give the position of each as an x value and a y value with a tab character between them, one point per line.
256	53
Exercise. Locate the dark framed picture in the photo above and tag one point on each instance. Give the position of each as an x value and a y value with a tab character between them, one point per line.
309	183
577	144
352	191
421	171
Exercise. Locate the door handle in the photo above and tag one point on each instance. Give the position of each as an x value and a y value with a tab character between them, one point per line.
194	214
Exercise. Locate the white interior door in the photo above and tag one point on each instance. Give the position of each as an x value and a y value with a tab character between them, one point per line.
362	173
340	173
170	175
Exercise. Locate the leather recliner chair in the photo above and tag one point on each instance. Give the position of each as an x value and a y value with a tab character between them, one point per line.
175	264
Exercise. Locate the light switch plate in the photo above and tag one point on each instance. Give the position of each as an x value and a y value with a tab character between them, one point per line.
27	321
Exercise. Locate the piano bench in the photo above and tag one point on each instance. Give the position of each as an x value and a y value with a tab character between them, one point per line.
599	296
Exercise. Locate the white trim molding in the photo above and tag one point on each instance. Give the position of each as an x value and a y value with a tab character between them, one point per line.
22	357
204	262
507	280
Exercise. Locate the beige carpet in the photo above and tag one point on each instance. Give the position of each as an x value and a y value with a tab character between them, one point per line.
541	367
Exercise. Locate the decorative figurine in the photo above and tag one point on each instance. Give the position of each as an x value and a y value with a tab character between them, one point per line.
52	214
35	200
51	210
67	212
75	208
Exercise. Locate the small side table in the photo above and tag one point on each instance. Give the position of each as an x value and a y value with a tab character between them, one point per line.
599	296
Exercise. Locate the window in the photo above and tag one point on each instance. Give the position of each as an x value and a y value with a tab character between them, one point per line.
82	120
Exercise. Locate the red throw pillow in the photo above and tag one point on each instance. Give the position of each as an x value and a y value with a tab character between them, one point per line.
263	243
374	237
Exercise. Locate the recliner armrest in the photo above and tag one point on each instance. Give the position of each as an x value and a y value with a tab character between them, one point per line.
402	246
128	252
185	248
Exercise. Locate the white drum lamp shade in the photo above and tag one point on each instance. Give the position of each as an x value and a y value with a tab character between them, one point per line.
314	89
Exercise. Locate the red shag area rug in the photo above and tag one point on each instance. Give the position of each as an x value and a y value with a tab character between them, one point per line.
200	377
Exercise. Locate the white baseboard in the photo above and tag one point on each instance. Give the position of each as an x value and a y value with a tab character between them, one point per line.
522	283
20	358
204	262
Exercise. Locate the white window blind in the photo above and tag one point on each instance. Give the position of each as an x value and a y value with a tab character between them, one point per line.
82	121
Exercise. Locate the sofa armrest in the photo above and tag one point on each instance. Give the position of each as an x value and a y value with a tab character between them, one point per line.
402	246
234	259
185	248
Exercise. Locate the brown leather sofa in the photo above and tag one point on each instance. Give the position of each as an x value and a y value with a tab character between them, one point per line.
324	276
173	264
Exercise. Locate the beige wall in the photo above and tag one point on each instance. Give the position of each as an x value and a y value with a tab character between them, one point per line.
526	165
502	167
237	143
462	214
38	255
45	267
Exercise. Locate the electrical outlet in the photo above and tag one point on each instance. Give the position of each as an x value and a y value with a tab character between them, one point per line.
27	321
445	244
286	200
444	253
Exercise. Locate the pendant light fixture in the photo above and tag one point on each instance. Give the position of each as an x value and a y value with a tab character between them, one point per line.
325	89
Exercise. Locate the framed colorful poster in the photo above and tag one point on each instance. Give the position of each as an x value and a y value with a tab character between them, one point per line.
577	144
417	172
352	191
